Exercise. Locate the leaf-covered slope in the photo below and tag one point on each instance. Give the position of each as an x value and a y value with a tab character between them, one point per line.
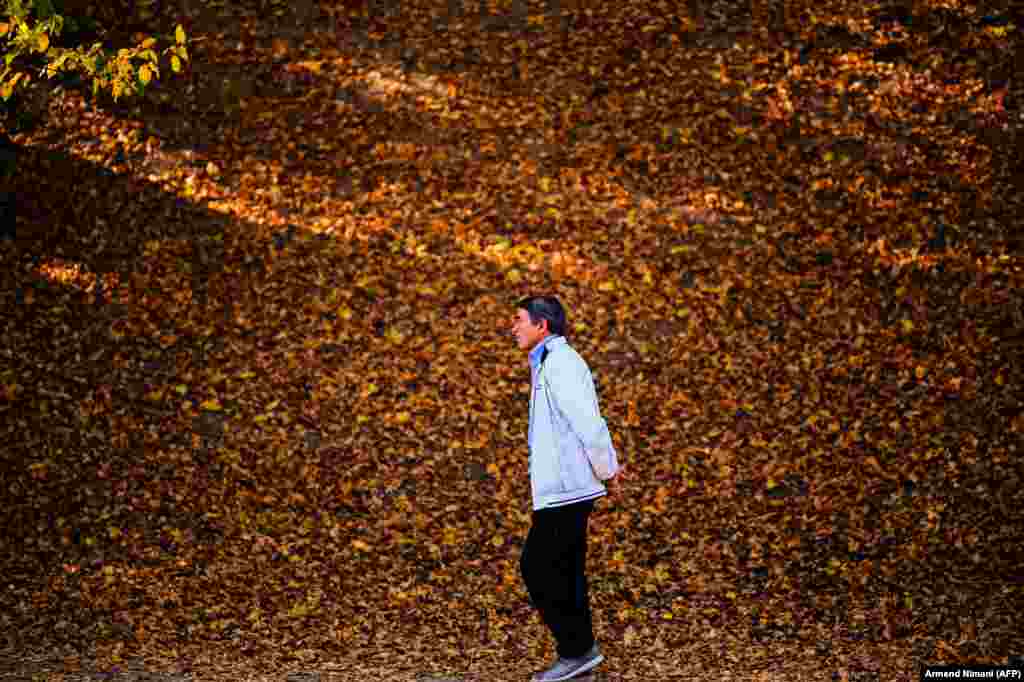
264	411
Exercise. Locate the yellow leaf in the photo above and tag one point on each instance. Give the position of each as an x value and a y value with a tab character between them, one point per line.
175	64
908	326
273	405
211	405
179	34
148	42
606	286
181	389
44	43
247	375
497	541
402	417
145	75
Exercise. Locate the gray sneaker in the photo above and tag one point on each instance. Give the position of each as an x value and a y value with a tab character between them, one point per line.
564	668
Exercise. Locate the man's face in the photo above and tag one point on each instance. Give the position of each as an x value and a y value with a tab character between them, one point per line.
528	334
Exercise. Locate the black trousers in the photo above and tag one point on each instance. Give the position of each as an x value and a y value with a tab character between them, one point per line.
553	565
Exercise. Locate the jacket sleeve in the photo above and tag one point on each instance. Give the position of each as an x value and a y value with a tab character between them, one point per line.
572	388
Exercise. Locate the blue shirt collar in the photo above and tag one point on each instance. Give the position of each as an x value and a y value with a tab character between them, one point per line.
538	350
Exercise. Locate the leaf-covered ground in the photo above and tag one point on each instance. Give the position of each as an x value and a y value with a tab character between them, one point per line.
261	410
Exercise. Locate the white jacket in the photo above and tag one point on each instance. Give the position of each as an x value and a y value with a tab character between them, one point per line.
565	424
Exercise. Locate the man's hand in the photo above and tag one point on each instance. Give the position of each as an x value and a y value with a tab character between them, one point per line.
614	484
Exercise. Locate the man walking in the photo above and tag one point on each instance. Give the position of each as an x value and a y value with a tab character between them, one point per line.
571	453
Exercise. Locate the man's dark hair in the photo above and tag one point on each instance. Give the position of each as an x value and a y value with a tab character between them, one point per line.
545	308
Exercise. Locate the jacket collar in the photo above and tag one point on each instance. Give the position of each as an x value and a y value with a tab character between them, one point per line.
551	341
